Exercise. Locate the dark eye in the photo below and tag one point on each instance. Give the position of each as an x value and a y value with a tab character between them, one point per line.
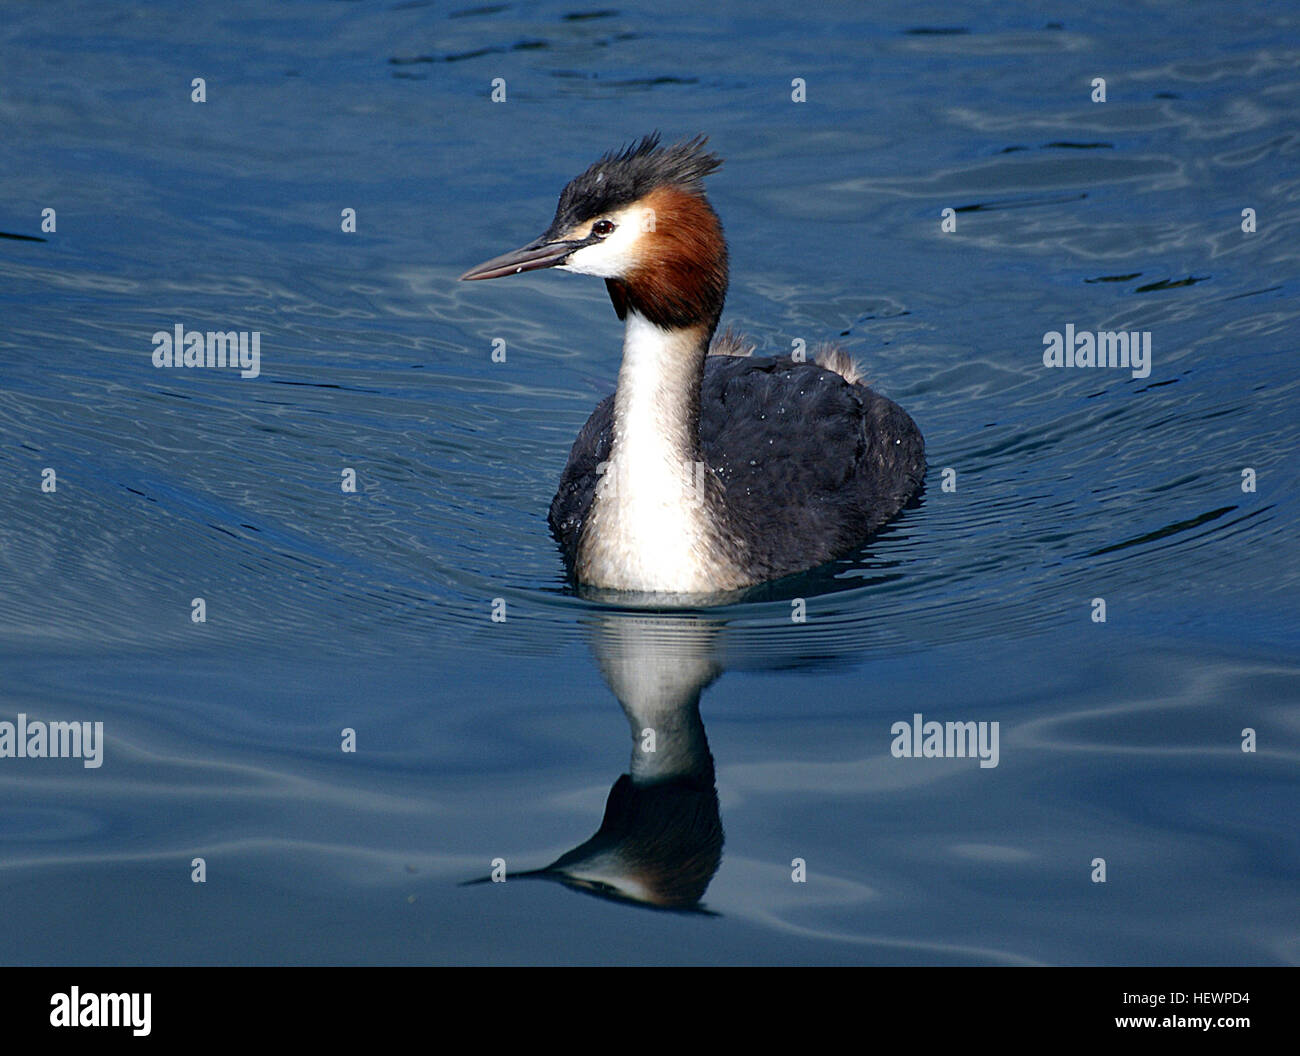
602	227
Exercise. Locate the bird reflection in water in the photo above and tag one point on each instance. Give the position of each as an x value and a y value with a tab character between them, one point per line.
660	841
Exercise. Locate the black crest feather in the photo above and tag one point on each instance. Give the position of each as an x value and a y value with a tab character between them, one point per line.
621	177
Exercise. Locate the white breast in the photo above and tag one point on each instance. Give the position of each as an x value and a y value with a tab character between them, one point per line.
647	528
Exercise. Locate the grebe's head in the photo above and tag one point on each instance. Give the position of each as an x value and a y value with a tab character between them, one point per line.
639	220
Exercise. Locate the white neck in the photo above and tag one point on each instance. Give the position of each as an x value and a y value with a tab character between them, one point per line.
648	528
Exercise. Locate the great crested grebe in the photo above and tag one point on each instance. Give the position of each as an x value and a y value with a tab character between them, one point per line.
708	470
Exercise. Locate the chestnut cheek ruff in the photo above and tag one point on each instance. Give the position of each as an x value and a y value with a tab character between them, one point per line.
680	277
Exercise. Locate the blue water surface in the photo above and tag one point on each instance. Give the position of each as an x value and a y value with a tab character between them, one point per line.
482	741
